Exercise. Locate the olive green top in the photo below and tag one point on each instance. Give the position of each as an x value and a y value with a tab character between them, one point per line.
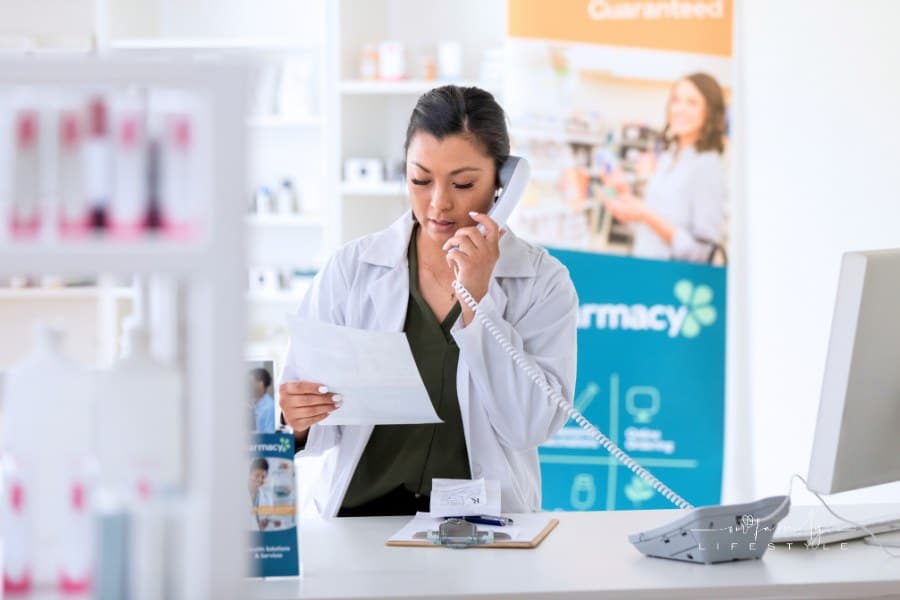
409	456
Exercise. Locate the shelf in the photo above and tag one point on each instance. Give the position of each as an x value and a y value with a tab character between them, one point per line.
385	189
405	86
63	293
293	297
263	44
557	136
286	221
283	122
107	256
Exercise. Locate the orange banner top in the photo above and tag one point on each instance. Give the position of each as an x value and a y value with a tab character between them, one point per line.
698	26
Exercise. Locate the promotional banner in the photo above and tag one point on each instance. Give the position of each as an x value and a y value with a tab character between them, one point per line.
271	521
621	106
650	376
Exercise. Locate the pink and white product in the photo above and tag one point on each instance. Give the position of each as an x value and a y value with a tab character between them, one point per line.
128	209
74	561
17	535
25	219
179	174
74	218
98	163
48	407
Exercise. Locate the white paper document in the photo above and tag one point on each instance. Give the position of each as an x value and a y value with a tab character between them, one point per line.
373	370
464	497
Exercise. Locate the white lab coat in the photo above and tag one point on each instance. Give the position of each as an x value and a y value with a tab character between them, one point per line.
505	416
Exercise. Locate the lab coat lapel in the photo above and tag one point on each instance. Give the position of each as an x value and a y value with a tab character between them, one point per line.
389	292
389	296
515	261
499	298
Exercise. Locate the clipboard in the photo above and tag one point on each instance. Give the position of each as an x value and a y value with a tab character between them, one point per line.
527	531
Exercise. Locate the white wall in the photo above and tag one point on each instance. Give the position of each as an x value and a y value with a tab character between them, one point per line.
49	19
821	125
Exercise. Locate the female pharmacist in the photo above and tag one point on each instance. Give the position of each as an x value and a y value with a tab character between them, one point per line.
400	279
682	212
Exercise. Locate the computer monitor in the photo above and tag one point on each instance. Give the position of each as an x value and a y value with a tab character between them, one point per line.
857	437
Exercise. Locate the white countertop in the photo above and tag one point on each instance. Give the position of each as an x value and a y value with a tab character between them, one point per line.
587	556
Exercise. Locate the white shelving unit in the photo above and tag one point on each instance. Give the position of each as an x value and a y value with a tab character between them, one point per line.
557	136
208	273
285	145
283	122
213	43
370	117
404	87
94	314
386	188
289	221
63	294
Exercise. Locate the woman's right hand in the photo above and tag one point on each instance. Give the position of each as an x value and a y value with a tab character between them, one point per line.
305	403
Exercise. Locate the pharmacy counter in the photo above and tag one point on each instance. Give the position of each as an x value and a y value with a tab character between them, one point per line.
587	556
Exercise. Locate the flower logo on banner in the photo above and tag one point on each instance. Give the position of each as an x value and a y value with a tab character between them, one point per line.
285	445
638	490
698	301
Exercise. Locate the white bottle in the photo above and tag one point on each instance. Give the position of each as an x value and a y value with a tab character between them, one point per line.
76	561
179	173
17	532
138	422
97	163
287	198
26	216
139	451
47	432
74	218
128	210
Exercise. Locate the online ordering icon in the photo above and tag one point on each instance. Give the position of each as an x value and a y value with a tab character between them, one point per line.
642	412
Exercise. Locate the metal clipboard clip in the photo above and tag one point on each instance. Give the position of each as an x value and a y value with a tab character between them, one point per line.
456	533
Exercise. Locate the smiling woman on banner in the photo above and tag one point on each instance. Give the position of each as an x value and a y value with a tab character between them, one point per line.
682	213
399	279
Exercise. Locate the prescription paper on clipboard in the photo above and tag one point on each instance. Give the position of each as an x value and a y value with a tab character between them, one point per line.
373	370
527	531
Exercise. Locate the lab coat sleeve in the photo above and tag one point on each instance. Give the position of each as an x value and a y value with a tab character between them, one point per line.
324	301
708	193
519	413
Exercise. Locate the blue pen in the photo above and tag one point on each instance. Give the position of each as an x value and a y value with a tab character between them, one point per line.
485	520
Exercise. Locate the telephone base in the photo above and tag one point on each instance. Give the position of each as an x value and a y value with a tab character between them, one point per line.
716	534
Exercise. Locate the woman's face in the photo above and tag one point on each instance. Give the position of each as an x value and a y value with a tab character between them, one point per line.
687	110
256	480
446	180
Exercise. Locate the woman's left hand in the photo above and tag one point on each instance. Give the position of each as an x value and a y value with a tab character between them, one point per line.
475	255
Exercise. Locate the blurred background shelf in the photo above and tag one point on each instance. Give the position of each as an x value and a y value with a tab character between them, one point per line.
263	44
314	221
65	293
406	86
386	188
284	122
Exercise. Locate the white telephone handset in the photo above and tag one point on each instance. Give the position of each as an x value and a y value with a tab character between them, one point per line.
514	175
707	525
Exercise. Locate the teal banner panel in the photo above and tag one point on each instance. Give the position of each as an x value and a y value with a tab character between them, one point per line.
651	376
